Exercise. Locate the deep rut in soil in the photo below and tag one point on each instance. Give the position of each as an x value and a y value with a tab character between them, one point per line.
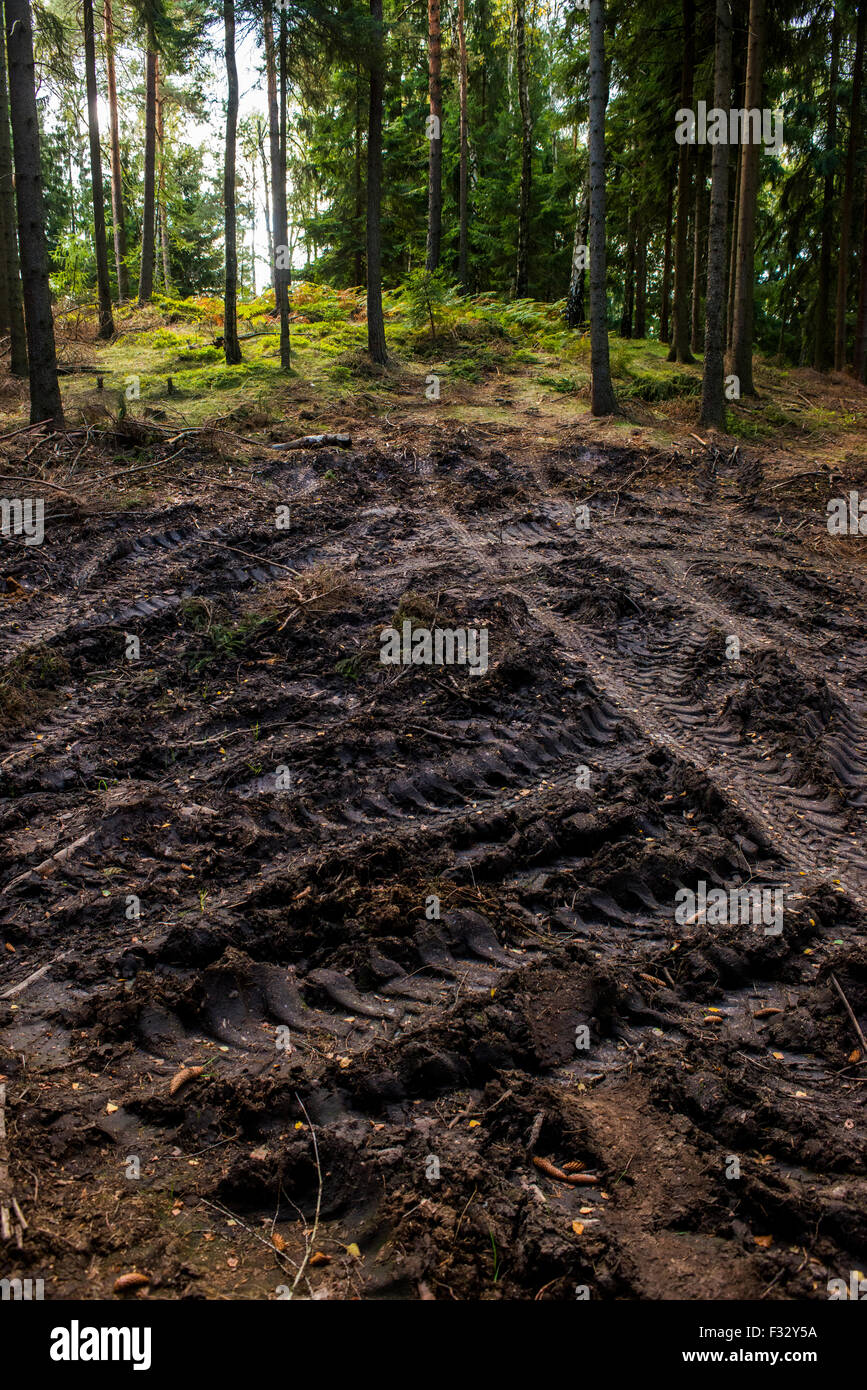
289	815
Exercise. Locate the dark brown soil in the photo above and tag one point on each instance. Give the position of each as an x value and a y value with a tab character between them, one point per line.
410	1069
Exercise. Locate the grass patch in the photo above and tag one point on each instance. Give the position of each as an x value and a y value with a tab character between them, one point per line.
29	686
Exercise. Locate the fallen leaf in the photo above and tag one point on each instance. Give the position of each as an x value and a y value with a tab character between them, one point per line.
856	1055
133	1280
320	1258
578	1227
474	1124
111	1109
764	1241
354	1251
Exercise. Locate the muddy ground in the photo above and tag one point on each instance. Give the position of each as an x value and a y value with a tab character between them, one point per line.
287	1073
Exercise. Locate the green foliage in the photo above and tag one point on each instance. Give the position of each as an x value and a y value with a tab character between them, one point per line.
426	293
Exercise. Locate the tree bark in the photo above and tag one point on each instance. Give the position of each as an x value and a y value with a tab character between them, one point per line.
117	209
629	281
602	401
435	143
698	243
273	135
522	271
103	284
162	210
733	247
859	356
231	346
45	402
744	309
277	144
266	199
822	345
713	405
680	341
358	258
665	304
576	313
463	212
14	309
849	194
375	321
284	271
640	278
146	274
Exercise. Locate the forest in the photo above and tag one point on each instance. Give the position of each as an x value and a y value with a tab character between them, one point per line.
433	658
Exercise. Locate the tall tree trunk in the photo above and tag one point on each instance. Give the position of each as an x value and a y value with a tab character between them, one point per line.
146	274
463	212
162	211
231	346
277	143
522	271
733	246
266	201
629	281
273	135
665	304
103	285
9	231
822	345
575	311
680	340
435	143
358	259
784	309
698	245
285	270
375	321
117	209
849	194
4	275
640	278
45	402
602	401
859	356
742	325
713	405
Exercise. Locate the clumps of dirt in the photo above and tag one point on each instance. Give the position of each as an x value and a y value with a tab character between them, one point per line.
600	597
777	699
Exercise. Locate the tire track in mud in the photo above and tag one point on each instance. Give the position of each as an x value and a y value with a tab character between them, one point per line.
683	728
555	901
